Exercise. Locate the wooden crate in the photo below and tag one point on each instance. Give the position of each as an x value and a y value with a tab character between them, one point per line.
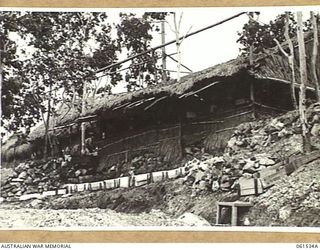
233	208
272	178
301	160
250	186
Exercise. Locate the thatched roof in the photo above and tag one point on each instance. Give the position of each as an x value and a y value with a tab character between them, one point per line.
270	65
173	88
275	66
15	147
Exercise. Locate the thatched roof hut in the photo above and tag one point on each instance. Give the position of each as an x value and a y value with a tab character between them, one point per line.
173	88
271	65
15	148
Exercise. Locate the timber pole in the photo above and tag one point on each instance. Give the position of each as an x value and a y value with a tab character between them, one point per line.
83	125
1	88
303	76
163	56
168	43
315	54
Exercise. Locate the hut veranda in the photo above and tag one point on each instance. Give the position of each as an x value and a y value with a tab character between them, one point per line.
163	121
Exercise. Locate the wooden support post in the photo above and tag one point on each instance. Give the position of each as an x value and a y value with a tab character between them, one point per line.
218	214
252	99
180	126
180	137
70	133
126	156
133	181
256	191
234	216
252	91
150	178
130	181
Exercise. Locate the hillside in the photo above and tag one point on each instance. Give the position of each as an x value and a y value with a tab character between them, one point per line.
255	149
292	201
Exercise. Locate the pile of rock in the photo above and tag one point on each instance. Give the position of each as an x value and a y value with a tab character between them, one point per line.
31	177
299	192
195	150
223	172
255	136
313	117
140	164
37	176
148	162
245	156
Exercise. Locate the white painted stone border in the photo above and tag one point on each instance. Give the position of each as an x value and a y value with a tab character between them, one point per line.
120	182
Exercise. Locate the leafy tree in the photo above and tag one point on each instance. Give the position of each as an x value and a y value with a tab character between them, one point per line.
290	57
135	36
62	60
256	37
260	36
18	109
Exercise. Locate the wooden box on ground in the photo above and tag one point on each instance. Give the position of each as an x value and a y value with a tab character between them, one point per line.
228	212
250	186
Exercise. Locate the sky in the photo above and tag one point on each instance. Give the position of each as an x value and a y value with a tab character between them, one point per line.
205	49
210	47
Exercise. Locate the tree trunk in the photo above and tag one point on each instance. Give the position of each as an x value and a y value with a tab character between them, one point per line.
179	61
0	86
303	75
291	62
83	125
251	55
47	124
73	97
54	148
177	33
315	54
164	62
154	62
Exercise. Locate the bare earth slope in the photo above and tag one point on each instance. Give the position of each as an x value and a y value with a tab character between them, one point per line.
294	200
